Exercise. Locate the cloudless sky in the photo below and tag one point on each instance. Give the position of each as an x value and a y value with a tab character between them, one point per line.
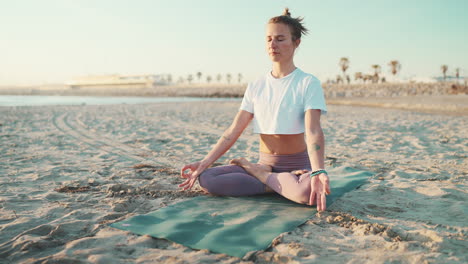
52	41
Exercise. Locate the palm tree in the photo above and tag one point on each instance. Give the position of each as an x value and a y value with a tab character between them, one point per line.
357	76
199	74
218	77
339	79
344	64
457	73
376	72
444	71
395	65
368	77
239	77
180	80
169	78
190	78
228	77
208	78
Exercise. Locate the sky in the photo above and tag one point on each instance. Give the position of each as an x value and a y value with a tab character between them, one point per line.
52	41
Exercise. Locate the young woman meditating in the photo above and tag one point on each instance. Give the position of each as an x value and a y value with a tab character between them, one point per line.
285	107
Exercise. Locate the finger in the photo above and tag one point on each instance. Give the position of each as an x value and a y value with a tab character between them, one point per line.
187	175
319	202
189	185
326	184
312	199
324	202
312	191
192	182
327	188
311	196
184	183
184	168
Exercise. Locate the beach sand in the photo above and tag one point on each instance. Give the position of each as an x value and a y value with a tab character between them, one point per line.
67	172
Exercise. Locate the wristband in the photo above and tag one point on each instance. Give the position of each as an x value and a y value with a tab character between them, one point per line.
312	174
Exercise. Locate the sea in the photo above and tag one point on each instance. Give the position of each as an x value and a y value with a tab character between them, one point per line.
39	100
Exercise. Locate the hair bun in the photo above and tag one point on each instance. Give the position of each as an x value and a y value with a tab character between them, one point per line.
286	12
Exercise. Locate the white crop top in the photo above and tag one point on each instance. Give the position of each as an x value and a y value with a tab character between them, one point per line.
279	104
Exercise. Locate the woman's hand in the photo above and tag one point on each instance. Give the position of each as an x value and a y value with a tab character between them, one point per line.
319	188
195	169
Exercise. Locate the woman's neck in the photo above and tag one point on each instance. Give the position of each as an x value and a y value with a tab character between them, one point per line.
282	69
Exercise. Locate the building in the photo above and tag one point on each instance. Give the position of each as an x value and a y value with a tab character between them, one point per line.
116	81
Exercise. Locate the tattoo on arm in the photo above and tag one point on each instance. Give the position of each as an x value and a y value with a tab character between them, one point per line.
316	147
226	138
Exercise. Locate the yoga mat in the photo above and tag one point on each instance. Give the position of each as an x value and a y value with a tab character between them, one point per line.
235	225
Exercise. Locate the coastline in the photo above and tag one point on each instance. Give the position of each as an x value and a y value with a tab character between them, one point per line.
427	98
432	104
237	90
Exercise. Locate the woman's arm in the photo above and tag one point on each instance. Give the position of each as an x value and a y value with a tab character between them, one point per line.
229	137
315	141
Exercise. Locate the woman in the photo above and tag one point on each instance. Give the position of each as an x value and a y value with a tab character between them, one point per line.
285	105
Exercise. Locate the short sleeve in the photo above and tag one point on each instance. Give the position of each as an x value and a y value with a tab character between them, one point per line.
314	97
247	101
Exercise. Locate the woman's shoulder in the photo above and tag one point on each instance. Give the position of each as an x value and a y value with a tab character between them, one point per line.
309	77
259	81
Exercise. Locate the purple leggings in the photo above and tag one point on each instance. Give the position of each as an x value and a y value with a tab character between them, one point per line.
233	180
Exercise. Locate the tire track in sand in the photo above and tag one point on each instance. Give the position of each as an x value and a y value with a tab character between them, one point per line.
62	122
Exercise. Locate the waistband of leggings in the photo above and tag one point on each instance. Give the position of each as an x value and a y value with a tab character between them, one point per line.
286	161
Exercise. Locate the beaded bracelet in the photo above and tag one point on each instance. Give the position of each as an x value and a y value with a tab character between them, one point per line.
312	174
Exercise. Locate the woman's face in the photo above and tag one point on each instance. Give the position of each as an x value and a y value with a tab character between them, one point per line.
280	46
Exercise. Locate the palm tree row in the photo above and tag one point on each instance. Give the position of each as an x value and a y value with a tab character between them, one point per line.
395	67
209	78
444	69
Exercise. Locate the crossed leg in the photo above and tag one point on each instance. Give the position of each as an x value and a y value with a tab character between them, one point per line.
231	180
294	186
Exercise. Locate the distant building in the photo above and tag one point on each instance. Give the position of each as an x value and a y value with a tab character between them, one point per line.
422	79
450	78
116	80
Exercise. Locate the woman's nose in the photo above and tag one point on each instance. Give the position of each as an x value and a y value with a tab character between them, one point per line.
273	44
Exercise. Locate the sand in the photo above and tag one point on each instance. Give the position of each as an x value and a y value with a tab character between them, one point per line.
67	172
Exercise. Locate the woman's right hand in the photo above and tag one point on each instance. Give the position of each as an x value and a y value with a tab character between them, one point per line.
195	169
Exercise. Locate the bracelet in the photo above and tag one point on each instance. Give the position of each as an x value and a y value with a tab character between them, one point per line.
312	174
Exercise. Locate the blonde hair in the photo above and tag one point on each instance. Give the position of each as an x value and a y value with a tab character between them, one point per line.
295	24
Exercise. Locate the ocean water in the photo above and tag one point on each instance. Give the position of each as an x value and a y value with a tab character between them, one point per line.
32	100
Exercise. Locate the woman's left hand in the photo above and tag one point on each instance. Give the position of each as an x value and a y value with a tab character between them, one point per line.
319	188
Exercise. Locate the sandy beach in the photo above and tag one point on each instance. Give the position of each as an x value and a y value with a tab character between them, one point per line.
67	172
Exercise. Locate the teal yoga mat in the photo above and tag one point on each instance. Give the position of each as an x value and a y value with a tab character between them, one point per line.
235	225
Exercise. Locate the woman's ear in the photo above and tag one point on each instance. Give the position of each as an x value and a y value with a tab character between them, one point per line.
297	42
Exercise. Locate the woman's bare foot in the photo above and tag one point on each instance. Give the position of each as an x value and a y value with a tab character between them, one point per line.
299	172
259	171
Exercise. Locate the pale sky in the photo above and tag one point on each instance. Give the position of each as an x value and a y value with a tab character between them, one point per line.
52	41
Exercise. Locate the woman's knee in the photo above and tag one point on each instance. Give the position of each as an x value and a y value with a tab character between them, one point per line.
205	178
301	195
